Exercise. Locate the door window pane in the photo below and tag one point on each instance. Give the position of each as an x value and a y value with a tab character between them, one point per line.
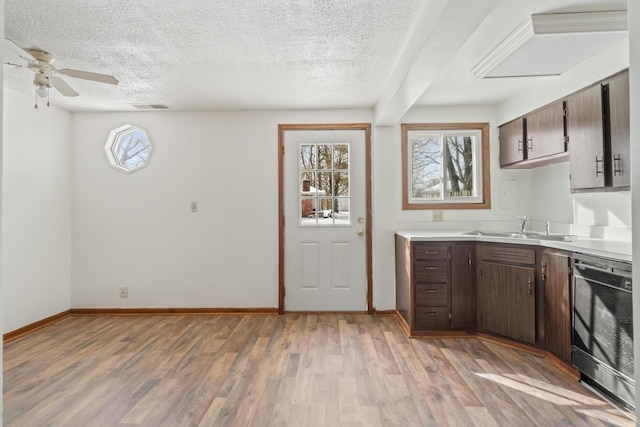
341	183
341	211
340	156
307	211
324	157
307	157
308	183
325	184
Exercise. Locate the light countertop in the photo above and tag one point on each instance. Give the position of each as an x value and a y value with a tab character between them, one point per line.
616	249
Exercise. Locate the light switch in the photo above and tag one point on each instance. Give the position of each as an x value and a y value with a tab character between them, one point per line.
194	207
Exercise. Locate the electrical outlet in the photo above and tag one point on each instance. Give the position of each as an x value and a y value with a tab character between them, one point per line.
124	292
194	207
438	216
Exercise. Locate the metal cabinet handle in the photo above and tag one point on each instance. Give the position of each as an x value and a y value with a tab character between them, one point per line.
428	313
543	270
431	268
430	252
530	291
520	145
430	291
529	144
598	171
469	262
617	164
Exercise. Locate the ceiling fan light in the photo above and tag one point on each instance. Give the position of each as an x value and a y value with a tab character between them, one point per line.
42	91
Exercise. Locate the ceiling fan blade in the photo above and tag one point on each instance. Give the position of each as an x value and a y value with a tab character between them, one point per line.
11	46
62	87
86	75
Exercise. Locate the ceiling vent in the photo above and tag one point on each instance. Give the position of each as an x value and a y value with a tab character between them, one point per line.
550	44
150	106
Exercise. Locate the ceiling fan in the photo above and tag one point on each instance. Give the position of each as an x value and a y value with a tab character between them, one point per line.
41	63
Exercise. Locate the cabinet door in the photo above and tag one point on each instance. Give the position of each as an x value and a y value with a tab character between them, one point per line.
522	301
586	141
545	132
557	304
463	291
507	297
492	298
511	142
619	125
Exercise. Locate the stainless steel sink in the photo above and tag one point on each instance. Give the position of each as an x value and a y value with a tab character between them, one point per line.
513	234
525	235
556	237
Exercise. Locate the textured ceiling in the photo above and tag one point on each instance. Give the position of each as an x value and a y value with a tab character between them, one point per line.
202	54
270	54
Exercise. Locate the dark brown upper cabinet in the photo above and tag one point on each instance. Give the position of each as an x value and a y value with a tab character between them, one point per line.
545	130
589	127
534	140
586	138
598	131
512	142
619	130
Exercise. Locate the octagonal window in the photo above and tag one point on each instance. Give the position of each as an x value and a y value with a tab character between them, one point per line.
128	148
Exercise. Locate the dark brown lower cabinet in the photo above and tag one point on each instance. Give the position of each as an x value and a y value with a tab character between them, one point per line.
556	275
463	289
435	285
521	292
506	292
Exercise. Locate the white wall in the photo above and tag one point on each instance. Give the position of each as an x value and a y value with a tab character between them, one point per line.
36	198
137	230
386	161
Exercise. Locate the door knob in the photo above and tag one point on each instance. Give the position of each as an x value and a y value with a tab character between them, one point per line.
361	232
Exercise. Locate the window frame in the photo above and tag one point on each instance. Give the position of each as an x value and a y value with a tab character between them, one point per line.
113	140
484	199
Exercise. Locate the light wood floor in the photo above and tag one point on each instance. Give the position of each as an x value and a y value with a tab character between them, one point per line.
290	370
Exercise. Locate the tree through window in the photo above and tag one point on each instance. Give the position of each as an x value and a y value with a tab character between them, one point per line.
445	166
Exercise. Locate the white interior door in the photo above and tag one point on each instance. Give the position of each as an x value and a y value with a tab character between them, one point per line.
325	213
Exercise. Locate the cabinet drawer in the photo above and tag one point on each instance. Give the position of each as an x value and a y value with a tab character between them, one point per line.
436	294
431	318
431	271
431	251
508	254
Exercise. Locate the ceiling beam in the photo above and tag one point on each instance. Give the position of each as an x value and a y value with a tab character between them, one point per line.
439	30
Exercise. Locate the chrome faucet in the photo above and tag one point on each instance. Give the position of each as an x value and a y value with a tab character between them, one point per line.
523	222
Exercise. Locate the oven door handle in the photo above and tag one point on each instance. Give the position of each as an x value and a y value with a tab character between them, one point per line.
597	282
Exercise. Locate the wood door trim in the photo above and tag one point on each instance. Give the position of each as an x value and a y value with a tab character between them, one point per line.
366	127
